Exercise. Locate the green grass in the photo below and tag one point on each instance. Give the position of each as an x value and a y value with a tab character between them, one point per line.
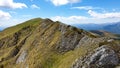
41	54
40	43
11	30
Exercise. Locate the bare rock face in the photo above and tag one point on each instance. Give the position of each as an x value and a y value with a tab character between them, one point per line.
22	57
86	40
103	57
70	37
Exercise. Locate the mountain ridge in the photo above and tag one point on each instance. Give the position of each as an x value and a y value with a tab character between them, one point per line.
43	43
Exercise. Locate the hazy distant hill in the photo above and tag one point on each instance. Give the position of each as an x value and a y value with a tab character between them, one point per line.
105	34
0	29
114	28
42	43
89	26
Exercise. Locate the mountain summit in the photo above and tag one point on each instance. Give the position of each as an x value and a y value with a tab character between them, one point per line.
43	43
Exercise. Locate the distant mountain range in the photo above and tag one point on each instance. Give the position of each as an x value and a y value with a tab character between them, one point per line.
89	26
113	27
0	29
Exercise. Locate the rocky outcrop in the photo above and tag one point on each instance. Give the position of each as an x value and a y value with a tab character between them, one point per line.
86	40
70	37
103	57
22	57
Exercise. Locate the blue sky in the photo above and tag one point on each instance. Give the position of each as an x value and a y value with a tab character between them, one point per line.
13	12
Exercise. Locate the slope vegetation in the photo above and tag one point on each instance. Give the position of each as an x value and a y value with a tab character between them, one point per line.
42	43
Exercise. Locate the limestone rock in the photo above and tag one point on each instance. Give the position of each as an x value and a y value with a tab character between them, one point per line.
22	57
103	57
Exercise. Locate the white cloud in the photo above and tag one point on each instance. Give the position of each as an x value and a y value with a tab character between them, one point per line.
69	20
11	4
86	8
35	6
84	20
104	15
96	18
63	2
4	15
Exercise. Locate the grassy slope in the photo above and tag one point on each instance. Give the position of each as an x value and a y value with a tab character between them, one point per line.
11	30
40	54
